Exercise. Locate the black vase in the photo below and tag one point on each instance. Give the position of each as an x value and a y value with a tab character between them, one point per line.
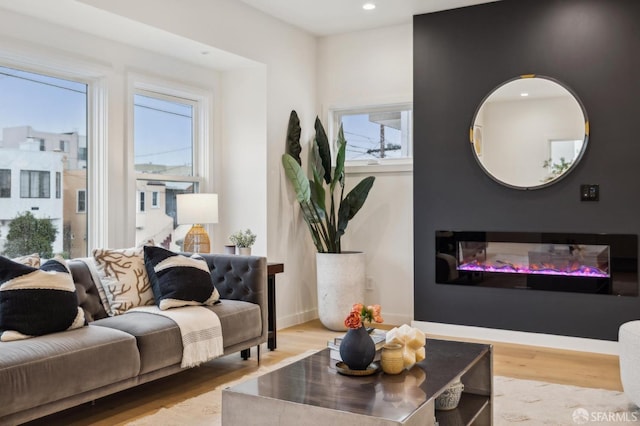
357	349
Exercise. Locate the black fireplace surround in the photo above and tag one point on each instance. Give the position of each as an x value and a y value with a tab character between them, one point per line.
582	263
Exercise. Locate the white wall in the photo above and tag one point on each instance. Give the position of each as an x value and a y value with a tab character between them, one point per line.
242	167
368	68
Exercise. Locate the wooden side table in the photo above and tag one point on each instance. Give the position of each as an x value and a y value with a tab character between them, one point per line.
272	270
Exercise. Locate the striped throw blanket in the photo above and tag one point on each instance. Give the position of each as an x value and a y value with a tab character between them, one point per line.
200	328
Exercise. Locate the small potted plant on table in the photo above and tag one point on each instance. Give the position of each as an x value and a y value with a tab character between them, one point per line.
243	240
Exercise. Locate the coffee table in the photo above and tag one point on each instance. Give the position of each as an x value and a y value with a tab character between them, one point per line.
311	392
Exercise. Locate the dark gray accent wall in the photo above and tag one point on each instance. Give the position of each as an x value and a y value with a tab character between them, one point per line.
459	56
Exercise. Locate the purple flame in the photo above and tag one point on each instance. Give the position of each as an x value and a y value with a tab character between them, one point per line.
580	271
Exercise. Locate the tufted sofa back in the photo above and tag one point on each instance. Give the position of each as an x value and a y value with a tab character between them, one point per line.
236	278
86	290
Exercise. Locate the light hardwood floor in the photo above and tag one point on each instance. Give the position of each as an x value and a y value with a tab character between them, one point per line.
524	362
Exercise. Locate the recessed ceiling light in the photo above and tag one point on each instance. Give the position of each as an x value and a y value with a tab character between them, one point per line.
524	94
368	6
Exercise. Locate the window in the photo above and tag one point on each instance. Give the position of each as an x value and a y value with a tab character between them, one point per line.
81	205
167	141
58	184
141	208
163	135
35	184
5	183
375	134
43	120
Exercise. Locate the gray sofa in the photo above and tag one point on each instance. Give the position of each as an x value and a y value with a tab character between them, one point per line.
46	374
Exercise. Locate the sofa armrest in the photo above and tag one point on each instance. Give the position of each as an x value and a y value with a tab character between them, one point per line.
241	278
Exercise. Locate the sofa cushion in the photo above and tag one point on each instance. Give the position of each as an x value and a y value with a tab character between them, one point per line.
241	321
158	338
178	280
35	301
123	278
45	369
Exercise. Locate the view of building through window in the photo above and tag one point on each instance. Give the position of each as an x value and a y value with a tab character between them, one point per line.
164	163
43	164
376	133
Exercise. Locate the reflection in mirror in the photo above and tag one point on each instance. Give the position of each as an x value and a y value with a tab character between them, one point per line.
529	132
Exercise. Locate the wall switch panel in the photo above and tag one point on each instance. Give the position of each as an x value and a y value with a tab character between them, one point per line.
589	192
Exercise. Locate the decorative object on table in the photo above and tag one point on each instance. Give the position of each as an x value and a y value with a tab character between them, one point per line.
412	341
197	210
377	335
449	399
343	368
357	348
327	224
392	359
243	241
230	249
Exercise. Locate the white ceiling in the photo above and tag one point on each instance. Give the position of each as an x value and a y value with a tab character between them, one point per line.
326	17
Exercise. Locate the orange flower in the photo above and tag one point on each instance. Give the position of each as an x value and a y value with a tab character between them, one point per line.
359	314
353	320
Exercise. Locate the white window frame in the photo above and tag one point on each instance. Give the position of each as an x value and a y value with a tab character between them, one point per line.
201	100
8	174
41	186
371	165
142	201
94	75
84	197
155	198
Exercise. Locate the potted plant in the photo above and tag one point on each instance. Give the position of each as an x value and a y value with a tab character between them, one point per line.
327	211
243	240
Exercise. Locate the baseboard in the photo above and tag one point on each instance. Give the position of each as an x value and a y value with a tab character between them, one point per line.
302	317
519	337
295	319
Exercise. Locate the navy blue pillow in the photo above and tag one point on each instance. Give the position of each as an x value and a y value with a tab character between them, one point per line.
36	301
178	280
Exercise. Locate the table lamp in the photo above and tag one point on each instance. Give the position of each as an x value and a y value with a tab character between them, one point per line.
197	209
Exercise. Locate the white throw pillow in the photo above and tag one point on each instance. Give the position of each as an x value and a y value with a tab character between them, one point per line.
123	278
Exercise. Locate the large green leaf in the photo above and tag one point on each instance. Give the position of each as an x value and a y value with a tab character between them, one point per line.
316	161
297	177
293	147
338	174
318	194
352	203
324	150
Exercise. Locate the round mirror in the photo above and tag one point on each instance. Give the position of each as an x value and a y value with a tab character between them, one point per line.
529	132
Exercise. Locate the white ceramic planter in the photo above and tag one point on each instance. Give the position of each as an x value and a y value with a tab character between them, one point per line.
244	251
341	283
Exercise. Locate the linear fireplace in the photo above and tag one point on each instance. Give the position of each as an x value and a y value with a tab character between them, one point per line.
585	263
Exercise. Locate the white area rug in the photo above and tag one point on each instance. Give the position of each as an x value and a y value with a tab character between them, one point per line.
516	402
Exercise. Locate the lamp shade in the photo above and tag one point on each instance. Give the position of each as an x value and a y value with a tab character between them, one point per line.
197	208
